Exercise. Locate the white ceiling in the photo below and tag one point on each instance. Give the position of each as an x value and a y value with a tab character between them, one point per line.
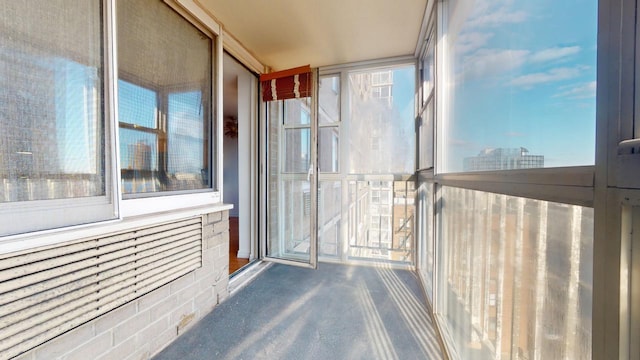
289	33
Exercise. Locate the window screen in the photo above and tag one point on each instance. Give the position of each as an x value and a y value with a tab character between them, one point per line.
165	91
51	98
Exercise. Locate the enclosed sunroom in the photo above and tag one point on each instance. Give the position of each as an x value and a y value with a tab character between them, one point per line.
156	156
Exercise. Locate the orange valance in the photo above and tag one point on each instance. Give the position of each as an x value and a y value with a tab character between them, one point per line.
287	84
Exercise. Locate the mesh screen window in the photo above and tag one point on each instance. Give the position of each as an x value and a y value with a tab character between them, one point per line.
51	98
164	100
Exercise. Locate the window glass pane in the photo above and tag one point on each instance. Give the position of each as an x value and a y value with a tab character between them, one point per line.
187	140
51	96
138	150
425	135
329	217
427	73
425	236
164	104
520	84
380	130
328	154
329	100
375	232
137	105
297	111
297	150
291	239
515	276
274	189
381	119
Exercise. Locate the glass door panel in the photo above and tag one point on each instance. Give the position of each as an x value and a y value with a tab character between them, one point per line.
291	209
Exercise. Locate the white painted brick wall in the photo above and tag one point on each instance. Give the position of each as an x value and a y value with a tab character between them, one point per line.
117	316
62	344
130	327
162	308
95	347
141	328
121	351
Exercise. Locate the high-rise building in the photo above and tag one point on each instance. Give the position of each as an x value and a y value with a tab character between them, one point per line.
503	159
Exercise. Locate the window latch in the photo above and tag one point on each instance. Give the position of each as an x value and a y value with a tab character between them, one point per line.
629	147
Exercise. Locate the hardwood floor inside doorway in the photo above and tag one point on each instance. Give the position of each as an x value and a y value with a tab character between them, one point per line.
235	263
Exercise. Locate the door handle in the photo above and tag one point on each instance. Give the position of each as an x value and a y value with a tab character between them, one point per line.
310	172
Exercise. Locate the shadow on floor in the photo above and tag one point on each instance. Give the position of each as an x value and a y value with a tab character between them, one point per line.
335	312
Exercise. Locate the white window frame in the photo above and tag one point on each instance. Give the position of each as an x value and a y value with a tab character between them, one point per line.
20	218
121	214
170	201
616	287
426	101
570	185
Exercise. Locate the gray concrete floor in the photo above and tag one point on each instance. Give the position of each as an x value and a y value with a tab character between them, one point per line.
335	312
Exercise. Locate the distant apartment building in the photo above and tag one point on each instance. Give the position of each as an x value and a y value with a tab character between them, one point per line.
503	159
377	137
381	214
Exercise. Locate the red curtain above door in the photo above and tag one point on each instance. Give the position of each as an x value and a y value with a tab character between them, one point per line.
287	84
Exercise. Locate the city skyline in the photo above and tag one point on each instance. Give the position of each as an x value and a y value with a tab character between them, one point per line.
503	159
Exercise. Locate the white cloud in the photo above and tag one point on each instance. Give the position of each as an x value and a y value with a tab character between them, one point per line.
490	13
552	75
488	62
581	91
186	124
554	53
491	18
470	42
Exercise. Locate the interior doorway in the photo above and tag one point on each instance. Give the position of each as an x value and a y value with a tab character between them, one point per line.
239	149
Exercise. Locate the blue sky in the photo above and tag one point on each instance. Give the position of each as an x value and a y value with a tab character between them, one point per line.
523	74
403	102
78	109
403	94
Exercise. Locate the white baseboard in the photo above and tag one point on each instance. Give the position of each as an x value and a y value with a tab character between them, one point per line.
243	254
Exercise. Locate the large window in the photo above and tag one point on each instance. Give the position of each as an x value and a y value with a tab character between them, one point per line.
57	114
52	118
426	90
515	276
165	100
365	159
519	84
381	103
